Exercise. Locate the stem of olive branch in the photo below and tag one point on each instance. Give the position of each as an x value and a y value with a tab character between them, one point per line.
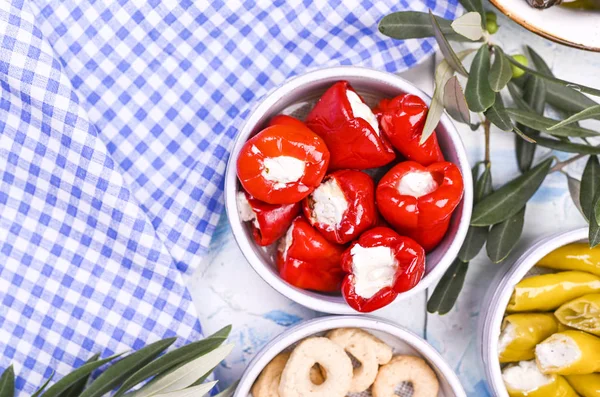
486	131
562	164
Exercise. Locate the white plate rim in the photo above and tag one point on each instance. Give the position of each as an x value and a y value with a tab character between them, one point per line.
523	15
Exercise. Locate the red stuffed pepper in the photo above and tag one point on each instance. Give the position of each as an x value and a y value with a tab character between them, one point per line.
343	206
350	130
307	260
282	164
402	120
284	119
380	265
269	221
418	201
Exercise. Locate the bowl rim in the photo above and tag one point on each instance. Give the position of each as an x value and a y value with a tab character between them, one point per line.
521	20
500	296
311	327
271	99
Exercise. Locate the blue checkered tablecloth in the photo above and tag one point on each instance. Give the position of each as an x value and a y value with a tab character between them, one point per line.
116	119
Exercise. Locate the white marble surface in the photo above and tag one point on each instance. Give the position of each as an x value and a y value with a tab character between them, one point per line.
227	291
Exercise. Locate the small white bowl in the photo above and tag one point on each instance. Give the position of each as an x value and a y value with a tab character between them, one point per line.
498	296
401	341
297	97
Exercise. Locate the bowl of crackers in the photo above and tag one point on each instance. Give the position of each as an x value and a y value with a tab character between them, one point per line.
353	356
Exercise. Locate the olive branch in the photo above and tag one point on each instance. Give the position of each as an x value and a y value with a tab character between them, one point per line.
498	214
181	372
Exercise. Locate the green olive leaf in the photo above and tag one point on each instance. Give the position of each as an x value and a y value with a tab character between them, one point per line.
589	113
500	72
446	292
575	192
436	109
175	358
455	102
469	25
483	186
525	153
76	388
577	87
541	123
39	391
518	98
590	185
445	47
75	377
567	99
192	391
594	232
476	236
597	211
185	375
124	368
538	61
534	93
559	96
478	92
503	237
443	73
475	169
567	147
474	242
7	382
474	6
413	25
522	135
510	198
498	116
525	146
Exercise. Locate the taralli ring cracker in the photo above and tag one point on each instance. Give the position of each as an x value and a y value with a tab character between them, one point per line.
295	381
367	349
267	384
406	369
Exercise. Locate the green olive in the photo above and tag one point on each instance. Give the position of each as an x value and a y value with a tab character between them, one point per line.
517	71
491	26
490	16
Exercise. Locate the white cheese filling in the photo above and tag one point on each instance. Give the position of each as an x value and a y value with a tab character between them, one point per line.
417	184
282	170
558	351
361	110
507	335
374	268
525	377
329	203
286	242
245	210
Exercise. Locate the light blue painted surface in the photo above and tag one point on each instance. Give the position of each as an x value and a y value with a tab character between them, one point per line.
226	290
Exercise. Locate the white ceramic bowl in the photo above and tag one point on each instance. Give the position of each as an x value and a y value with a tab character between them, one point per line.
499	295
296	97
401	340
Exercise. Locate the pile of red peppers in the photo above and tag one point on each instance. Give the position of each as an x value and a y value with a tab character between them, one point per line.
304	189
